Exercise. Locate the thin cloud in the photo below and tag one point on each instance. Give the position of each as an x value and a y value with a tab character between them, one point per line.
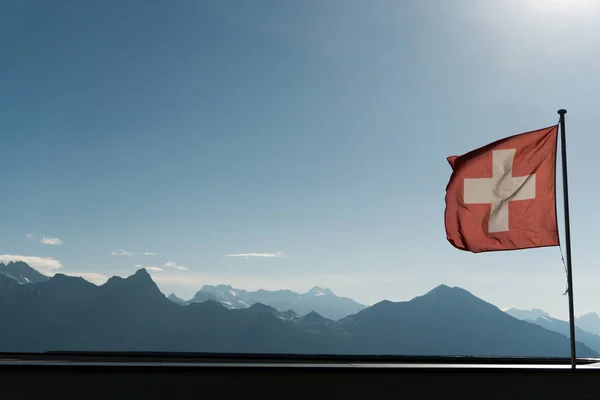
94	277
30	235
263	255
51	240
148	268
130	253
122	253
45	265
173	264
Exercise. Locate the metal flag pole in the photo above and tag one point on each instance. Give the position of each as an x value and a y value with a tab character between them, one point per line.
563	148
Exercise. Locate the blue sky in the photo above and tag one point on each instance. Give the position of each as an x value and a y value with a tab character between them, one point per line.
315	132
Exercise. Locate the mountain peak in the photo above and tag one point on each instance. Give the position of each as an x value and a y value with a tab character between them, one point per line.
142	273
67	283
22	273
591	315
141	277
456	297
319	291
314	318
140	283
589	322
173	297
526	315
445	290
262	308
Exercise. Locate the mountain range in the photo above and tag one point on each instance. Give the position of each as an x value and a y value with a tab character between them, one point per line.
131	314
321	300
527	315
589	322
22	273
587	327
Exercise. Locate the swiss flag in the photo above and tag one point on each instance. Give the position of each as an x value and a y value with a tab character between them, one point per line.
502	196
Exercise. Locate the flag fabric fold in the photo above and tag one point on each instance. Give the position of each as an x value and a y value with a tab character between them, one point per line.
502	196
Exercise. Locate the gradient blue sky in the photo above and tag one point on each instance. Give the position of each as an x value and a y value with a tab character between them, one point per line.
318	129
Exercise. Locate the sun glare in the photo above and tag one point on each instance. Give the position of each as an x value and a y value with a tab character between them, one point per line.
559	6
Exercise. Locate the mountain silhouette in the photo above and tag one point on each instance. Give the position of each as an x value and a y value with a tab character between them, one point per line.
225	294
527	315
562	327
21	272
589	322
451	321
131	314
176	299
320	300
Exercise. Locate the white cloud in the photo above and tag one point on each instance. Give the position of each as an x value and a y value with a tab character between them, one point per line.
173	264
51	240
265	255
30	235
45	265
130	253
122	253
148	267
95	278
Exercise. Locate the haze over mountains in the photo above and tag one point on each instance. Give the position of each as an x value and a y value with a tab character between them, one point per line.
131	314
321	300
587	327
589	322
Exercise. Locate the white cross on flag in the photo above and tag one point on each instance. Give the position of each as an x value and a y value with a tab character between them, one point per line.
502	196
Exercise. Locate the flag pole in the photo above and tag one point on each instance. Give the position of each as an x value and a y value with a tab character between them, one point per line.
563	148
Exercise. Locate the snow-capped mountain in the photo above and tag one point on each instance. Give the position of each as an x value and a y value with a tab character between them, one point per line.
320	300
22	273
226	295
131	314
527	315
318	291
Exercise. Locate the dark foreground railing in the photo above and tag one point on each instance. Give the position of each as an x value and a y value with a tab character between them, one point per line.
158	375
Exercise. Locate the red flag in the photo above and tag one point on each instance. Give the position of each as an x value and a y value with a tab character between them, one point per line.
502	196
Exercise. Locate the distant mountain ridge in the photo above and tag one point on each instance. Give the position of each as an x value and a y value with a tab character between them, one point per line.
318	299
562	327
527	314
589	322
452	321
176	299
539	317
131	314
